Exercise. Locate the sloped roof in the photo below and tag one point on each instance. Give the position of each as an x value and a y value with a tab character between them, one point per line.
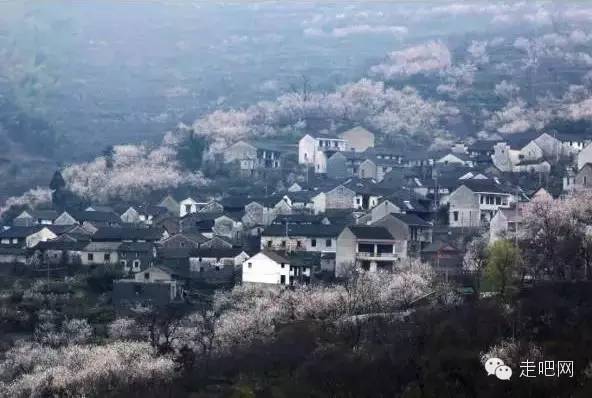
275	256
307	230
484	186
102	246
94	216
439	246
20	232
136	247
411	219
370	232
126	233
61	245
224	252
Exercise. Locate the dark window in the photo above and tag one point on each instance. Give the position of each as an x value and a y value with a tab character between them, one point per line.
283	243
269	243
283	279
328	243
188	208
313	242
249	265
107	257
146	275
298	244
282	265
455	215
90	257
498	200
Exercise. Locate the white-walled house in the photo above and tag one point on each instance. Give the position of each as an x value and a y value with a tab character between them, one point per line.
314	151
475	202
271	268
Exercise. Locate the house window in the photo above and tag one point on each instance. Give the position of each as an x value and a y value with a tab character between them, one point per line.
283	279
107	257
136	265
298	244
249	265
498	200
146	275
187	208
328	243
269	243
313	242
283	243
585	181
90	257
455	215
482	199
123	263
282	265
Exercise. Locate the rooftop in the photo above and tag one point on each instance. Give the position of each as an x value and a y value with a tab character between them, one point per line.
370	232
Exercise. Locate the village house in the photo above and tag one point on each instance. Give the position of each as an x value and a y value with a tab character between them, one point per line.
377	168
92	219
300	237
126	234
394	204
171	204
371	248
201	260
344	164
28	218
254	159
505	223
156	286
191	206
445	258
272	268
183	239
339	197
136	256
13	255
59	252
229	225
475	202
315	151
536	155
28	237
143	214
100	253
358	138
456	159
411	232
367	192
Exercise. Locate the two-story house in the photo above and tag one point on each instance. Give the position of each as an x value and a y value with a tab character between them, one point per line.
315	151
254	158
273	268
411	232
475	202
371	248
300	237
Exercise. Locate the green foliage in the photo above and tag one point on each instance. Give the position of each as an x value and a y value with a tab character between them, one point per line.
190	152
503	260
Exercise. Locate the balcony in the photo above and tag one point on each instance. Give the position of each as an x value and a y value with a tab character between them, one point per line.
377	256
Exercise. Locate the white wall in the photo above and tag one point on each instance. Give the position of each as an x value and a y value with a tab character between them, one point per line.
262	269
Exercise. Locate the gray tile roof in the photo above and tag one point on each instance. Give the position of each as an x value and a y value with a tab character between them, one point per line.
370	232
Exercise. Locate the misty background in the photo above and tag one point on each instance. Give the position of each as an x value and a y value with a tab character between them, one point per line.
77	77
